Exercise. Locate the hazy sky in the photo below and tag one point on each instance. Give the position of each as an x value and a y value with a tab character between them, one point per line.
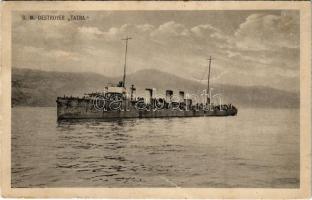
248	47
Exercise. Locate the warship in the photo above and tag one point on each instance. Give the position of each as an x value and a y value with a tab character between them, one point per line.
115	102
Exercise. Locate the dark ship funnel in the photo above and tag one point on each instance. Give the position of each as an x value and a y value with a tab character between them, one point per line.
181	96
169	94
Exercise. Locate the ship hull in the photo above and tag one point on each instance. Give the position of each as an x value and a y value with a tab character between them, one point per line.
76	108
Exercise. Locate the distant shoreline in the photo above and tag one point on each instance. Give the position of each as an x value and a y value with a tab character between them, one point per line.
37	88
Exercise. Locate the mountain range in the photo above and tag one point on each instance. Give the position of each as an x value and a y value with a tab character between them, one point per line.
41	88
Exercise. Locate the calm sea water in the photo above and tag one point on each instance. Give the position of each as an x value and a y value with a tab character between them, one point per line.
257	148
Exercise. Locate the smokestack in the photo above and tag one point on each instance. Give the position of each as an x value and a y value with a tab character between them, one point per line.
188	101
149	95
181	96
169	94
133	93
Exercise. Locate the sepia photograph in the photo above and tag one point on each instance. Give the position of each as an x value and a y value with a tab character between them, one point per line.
158	98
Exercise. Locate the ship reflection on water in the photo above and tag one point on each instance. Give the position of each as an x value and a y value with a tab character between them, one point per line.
113	151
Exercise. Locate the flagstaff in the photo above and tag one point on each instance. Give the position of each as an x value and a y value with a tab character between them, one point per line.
208	86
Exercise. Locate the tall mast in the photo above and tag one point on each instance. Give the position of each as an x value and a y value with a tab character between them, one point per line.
125	65
208	86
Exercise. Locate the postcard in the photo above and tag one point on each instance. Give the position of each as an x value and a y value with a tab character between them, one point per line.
156	99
